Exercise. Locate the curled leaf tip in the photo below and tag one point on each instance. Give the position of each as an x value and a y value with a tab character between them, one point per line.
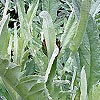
43	14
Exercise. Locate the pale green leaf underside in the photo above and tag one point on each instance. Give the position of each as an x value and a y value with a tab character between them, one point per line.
49	32
83	87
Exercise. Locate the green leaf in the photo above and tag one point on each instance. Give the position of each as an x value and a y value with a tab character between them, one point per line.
31	78
68	25
24	86
21	9
84	13
50	72
10	90
37	96
10	46
3	65
62	96
25	31
15	43
21	47
49	32
93	35
3	91
95	8
30	85
4	35
30	67
73	79
55	53
36	88
41	62
32	11
97	18
24	59
83	87
36	43
88	52
51	6
95	92
69	32
84	55
12	75
76	6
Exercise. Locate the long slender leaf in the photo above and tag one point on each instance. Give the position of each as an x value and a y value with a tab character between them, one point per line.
68	38
83	87
10	46
4	36
84	13
25	31
68	25
55	53
15	43
49	32
32	11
